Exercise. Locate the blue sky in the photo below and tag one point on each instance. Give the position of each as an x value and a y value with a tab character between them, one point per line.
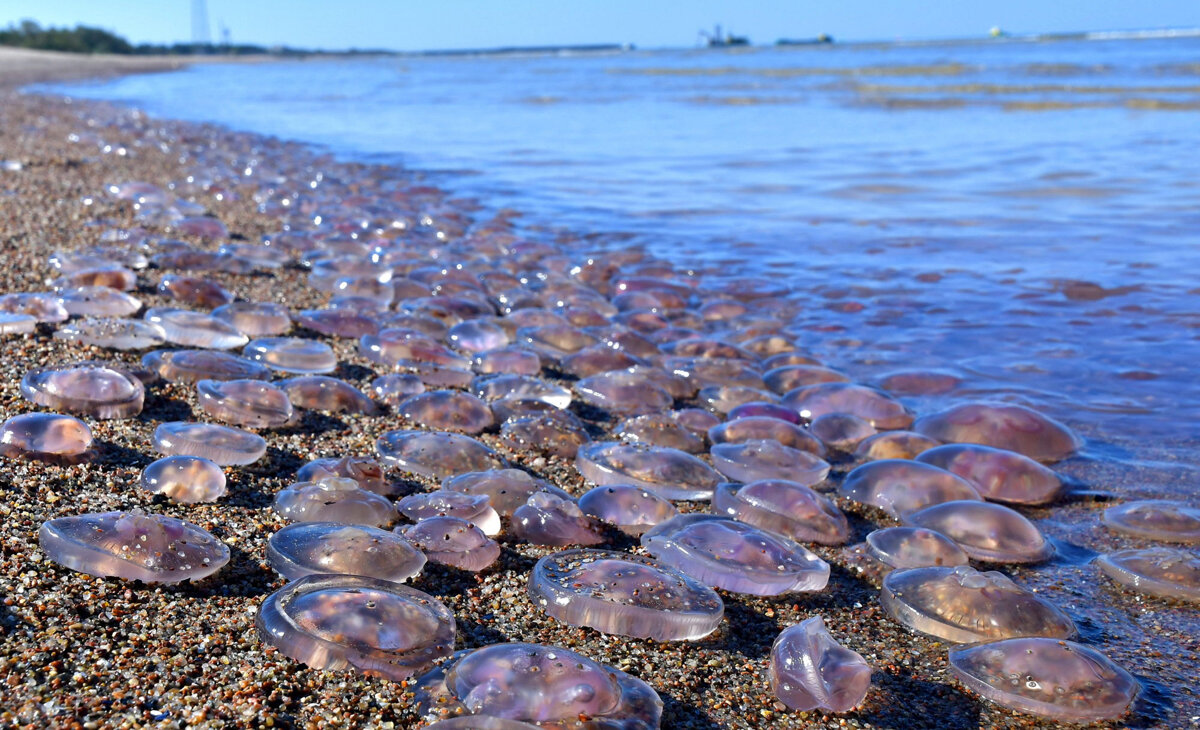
425	24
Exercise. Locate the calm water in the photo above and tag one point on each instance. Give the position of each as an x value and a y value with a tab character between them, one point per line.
932	202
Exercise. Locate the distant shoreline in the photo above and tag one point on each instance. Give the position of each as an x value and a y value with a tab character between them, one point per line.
21	67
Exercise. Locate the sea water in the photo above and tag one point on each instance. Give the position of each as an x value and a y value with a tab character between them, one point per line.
1024	213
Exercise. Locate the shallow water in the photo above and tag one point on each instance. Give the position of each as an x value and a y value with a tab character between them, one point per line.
938	205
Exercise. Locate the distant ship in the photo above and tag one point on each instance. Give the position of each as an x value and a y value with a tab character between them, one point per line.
716	39
823	38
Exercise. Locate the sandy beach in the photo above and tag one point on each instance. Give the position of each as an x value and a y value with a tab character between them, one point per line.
85	652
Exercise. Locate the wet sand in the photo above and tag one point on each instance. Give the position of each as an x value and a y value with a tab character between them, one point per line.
85	652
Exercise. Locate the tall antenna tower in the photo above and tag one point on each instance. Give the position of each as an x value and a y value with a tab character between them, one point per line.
201	35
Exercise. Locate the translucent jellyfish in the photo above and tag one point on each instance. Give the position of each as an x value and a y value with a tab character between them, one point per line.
292	355
920	382
998	475
474	508
631	509
550	519
788	508
751	461
323	393
334	499
553	434
45	436
841	431
194	329
393	346
894	445
117	334
201	227
478	335
873	406
914	547
1003	426
753	402
514	360
1159	571
506	489
809	669
362	469
194	291
554	340
1155	519
623	393
963	605
253	403
452	541
98	301
436	454
224	445
308	548
674	383
758	428
737	557
1061	680
340	322
989	533
93	390
352	622
255	319
436	376
520	387
448	410
191	366
660	429
18	324
697	420
134	546
393	388
596	359
898	486
789	377
42	306
481	722
666	472
185	479
554	688
623	594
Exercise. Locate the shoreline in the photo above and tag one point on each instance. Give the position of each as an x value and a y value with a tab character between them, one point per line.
76	643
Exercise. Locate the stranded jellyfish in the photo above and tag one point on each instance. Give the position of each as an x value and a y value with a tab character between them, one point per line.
624	393
306	548
436	454
789	377
873	406
555	688
94	390
998	475
630	509
194	329
894	445
194	291
452	541
224	445
741	558
474	508
253	403
362	469
1004	426
751	461
506	489
98	301
292	355
987	532
788	508
963	605
757	428
18	324
1158	571
660	429
841	431
255	319
558	434
448	410
666	472
323	393
1155	519
191	366
514	360
393	388
134	546
628	595
45	436
898	486
334	499
549	519
809	669
920	382
338	322
1061	680
763	409
914	547
116	334
185	479
352	622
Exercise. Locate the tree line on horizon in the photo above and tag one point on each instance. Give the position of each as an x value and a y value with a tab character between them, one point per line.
84	39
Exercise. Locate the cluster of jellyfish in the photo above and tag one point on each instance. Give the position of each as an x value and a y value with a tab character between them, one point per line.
710	402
